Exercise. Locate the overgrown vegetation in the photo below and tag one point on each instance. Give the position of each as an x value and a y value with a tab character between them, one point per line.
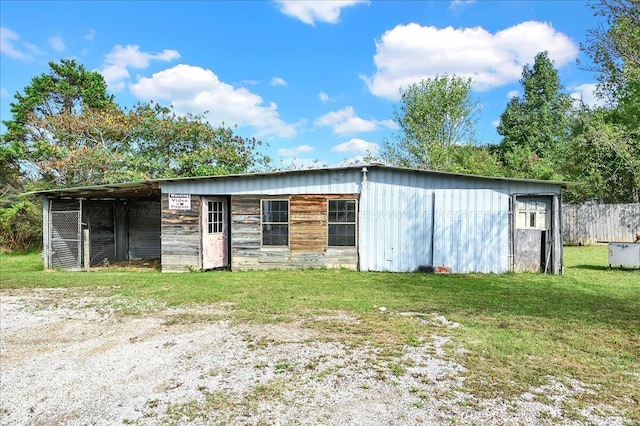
517	331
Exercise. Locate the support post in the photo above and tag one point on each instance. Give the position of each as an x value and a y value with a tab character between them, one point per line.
46	232
86	250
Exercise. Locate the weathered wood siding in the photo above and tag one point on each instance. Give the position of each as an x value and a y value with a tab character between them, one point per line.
180	236
307	235
592	223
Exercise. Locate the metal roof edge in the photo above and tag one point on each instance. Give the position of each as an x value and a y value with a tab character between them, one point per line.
151	182
512	179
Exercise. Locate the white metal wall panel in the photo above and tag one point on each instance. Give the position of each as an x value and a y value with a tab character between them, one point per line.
307	182
471	221
394	227
472	230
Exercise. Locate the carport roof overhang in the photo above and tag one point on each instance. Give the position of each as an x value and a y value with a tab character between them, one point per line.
143	189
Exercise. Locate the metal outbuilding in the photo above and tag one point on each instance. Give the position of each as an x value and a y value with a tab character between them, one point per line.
369	218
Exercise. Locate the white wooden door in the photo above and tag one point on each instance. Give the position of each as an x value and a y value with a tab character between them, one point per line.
215	235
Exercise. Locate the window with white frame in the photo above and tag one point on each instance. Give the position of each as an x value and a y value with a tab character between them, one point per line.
275	222
342	223
214	217
532	214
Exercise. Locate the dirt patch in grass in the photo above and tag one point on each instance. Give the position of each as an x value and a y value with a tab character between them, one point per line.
87	357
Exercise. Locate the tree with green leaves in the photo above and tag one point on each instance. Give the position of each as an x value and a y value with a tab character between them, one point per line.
615	50
605	146
604	158
535	126
68	90
67	131
436	117
166	144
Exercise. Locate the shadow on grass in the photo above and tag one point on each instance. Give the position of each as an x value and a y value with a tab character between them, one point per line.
607	268
592	267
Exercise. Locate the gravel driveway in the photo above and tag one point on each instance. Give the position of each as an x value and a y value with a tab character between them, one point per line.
70	358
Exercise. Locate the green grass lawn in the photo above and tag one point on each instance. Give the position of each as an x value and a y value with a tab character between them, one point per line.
517	329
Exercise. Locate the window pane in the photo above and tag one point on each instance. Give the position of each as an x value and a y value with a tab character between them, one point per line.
215	217
342	235
342	211
275	211
275	235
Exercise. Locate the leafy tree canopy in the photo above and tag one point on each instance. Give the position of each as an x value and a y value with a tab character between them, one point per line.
68	131
538	121
437	116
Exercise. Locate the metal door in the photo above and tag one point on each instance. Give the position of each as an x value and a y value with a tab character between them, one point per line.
215	235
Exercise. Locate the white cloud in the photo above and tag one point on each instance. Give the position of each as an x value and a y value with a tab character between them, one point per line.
324	98
294	158
513	94
357	147
389	124
278	81
192	89
117	62
409	53
35	50
4	93
458	4
90	35
295	151
586	93
7	45
345	121
311	11
495	123
57	44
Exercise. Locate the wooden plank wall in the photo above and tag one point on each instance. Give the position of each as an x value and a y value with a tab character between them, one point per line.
180	231
307	236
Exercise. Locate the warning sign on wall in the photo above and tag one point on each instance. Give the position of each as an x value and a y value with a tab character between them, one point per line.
179	201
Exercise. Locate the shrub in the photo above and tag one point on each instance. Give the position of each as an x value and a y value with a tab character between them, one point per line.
21	227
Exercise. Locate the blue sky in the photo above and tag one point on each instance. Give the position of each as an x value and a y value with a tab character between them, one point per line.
313	80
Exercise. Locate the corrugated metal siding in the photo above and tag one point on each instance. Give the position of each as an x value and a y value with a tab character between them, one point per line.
394	227
471	221
590	223
472	230
144	230
309	182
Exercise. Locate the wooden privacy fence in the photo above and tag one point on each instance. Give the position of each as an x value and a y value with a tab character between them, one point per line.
585	224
